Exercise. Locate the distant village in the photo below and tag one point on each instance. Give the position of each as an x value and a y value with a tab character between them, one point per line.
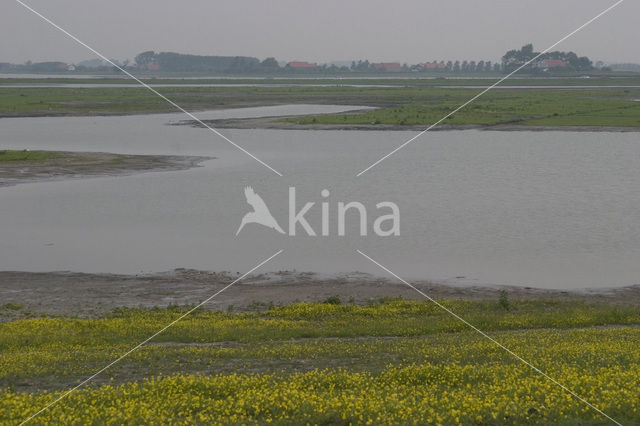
150	61
434	66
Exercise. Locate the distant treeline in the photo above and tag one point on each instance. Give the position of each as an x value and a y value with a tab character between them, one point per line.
36	67
568	61
555	62
178	62
625	67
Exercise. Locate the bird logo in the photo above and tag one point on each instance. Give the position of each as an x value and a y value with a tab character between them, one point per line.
260	213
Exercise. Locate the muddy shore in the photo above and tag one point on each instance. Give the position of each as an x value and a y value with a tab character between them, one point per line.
88	295
65	165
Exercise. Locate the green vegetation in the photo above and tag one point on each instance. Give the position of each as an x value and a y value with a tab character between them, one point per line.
391	361
406	102
515	59
575	107
504	300
25	155
63	101
11	306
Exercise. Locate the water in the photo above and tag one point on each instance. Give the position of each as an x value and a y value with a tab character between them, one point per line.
543	209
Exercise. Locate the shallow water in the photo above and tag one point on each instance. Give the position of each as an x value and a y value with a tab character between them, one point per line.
543	209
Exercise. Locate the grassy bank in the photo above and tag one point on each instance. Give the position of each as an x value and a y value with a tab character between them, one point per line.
30	166
603	107
391	361
405	104
8	156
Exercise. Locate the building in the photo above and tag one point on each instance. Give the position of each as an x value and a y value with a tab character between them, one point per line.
149	67
433	66
297	65
387	66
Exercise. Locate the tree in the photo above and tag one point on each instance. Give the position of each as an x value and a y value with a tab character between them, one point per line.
363	65
177	62
514	59
526	53
146	58
456	66
584	64
269	64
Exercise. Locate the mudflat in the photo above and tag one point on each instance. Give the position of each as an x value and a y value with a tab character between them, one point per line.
92	295
49	165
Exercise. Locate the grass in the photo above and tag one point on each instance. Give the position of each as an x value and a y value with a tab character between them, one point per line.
602	107
7	156
392	361
11	306
400	105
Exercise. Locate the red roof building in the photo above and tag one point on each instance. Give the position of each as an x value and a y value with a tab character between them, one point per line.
433	65
149	67
387	66
552	63
302	65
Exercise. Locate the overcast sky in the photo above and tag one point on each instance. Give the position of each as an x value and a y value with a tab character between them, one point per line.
319	31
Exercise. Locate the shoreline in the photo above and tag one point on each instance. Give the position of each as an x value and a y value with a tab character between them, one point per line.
92	295
278	123
73	165
168	110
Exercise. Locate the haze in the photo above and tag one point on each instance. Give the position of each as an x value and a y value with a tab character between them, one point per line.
405	31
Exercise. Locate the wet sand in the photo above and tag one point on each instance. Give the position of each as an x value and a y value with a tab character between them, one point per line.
88	295
90	164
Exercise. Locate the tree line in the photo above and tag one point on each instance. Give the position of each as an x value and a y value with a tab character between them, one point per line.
178	62
514	59
185	63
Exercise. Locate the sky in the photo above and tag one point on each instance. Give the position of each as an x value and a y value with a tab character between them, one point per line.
408	31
